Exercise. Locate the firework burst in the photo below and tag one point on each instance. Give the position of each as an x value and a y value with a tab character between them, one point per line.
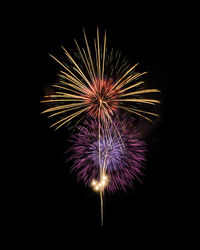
121	154
97	84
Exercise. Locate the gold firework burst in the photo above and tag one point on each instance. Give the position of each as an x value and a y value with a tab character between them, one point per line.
98	84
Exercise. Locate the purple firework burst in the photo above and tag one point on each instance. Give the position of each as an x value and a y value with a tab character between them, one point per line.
119	148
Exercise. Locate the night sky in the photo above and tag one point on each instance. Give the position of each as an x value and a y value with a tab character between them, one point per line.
56	201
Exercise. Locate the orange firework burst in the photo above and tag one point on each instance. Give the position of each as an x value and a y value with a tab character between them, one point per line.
97	84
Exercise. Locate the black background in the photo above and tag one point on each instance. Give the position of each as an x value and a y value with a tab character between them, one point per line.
54	203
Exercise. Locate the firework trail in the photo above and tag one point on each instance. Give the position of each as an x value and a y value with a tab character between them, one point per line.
98	84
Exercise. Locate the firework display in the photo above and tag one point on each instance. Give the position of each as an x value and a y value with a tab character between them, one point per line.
97	87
